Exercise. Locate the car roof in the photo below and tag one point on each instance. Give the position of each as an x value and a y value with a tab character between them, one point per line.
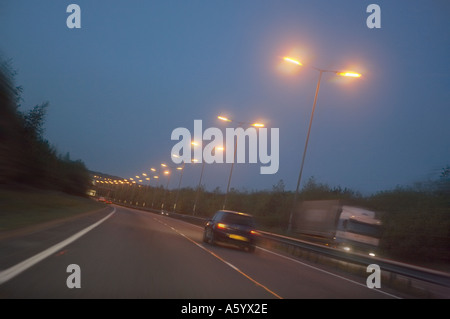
234	212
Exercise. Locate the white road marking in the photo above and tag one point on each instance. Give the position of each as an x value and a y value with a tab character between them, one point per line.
220	258
326	272
310	266
13	271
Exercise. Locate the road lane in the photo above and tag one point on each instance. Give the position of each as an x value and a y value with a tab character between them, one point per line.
131	255
286	276
11	272
137	254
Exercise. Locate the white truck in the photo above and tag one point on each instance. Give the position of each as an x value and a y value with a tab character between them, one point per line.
346	227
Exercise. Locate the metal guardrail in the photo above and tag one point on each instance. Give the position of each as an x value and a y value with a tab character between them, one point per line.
410	271
396	268
406	270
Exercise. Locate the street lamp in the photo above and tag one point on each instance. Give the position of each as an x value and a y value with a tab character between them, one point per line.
179	168
167	173
155	177
220	148
225	119
321	71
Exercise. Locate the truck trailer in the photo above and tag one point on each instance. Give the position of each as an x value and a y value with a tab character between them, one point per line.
346	227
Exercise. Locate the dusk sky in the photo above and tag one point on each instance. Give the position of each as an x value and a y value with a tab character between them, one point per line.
136	70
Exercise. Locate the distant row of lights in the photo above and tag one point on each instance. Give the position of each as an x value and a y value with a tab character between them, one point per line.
140	179
131	180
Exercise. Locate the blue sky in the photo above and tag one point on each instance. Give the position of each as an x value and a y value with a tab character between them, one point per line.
136	70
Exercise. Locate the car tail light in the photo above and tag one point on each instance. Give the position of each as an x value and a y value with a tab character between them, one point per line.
221	226
254	232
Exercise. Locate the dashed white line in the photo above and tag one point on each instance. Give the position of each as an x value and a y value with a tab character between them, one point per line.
301	263
222	260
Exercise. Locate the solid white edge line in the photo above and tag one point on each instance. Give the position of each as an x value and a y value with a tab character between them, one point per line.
13	271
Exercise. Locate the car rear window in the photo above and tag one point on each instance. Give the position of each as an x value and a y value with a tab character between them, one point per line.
237	219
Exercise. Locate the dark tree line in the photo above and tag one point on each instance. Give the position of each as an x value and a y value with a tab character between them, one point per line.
416	219
26	158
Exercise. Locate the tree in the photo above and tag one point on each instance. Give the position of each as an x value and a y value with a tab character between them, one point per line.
13	155
26	158
444	182
34	120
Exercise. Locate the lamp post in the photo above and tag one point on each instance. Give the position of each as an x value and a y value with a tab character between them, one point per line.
198	189
179	168
155	177
167	173
240	124
321	71
179	184
197	195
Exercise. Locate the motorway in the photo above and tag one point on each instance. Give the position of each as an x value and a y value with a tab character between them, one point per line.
130	253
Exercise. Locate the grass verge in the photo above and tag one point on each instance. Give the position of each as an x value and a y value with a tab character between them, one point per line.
20	209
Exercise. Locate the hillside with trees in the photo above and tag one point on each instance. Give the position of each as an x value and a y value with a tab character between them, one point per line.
27	159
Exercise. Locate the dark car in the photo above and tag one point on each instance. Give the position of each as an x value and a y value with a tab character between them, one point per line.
231	227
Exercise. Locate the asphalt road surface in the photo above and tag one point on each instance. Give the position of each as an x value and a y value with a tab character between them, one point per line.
129	253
